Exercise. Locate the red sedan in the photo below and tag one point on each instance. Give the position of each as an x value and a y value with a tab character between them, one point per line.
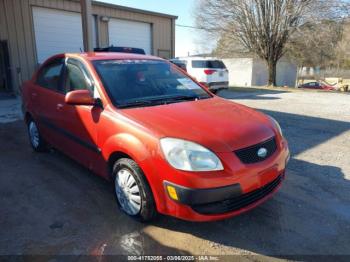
317	85
168	145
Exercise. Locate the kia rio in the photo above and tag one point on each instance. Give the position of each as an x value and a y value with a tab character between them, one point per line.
168	145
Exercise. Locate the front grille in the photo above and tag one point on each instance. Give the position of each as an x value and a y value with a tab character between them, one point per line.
249	155
237	203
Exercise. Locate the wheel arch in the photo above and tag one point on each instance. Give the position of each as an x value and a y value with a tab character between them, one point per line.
114	157
120	146
27	116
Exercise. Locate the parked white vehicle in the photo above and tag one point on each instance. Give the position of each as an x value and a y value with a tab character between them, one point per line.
211	72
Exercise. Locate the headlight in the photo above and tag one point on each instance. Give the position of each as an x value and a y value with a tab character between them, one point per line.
189	156
277	125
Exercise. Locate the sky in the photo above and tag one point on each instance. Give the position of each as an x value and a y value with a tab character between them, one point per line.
187	40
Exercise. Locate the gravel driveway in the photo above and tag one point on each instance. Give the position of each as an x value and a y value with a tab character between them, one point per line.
51	205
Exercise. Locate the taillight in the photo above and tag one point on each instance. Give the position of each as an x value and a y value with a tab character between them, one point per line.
209	71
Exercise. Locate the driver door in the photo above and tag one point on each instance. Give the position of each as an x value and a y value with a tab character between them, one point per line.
80	122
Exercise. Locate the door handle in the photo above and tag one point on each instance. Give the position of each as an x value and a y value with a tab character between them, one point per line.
34	95
59	106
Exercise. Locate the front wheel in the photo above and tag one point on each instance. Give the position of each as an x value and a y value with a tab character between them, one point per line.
132	191
35	138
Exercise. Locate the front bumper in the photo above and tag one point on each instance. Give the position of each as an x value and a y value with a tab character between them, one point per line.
209	196
216	201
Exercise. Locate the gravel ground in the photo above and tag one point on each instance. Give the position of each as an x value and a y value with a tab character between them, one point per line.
50	205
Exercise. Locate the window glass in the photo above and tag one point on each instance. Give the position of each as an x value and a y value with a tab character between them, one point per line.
145	80
76	77
50	75
208	64
180	63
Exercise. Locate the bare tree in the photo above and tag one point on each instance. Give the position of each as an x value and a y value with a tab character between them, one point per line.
315	45
263	27
342	50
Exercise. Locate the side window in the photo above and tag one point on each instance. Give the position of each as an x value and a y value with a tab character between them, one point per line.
199	64
50	75
77	77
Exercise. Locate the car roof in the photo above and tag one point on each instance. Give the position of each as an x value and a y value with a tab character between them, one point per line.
93	56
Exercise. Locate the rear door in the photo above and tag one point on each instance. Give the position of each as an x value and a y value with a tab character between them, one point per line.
48	98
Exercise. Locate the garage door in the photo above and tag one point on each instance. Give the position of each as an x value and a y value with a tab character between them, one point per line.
56	32
130	34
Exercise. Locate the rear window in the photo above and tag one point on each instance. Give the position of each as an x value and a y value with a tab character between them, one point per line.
208	64
179	63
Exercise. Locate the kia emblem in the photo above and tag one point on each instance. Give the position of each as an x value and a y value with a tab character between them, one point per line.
262	152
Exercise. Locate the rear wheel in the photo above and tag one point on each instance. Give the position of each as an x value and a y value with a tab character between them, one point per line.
36	141
132	191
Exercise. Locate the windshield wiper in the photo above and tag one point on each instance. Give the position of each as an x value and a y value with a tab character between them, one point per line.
183	98
137	103
161	101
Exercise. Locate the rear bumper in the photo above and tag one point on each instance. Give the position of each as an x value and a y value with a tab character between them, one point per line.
216	85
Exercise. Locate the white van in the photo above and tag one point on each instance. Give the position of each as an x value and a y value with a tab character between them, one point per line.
211	72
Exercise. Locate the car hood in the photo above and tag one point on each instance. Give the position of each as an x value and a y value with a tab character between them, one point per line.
216	123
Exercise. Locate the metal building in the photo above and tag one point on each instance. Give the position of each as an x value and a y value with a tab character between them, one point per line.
32	30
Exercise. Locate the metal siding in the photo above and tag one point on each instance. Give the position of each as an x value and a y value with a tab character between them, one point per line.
173	31
60	4
12	44
29	37
21	42
103	34
66	5
94	31
3	22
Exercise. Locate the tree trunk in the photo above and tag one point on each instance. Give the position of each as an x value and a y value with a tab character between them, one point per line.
272	72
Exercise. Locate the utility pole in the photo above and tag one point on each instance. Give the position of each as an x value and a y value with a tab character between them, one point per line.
86	17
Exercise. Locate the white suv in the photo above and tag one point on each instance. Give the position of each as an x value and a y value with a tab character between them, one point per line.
208	71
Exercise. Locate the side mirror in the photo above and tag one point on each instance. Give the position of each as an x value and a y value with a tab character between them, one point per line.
80	97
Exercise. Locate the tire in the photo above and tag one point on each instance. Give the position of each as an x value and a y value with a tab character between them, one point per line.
132	192
36	141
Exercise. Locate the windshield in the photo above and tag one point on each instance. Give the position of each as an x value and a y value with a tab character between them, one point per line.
208	64
146	82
